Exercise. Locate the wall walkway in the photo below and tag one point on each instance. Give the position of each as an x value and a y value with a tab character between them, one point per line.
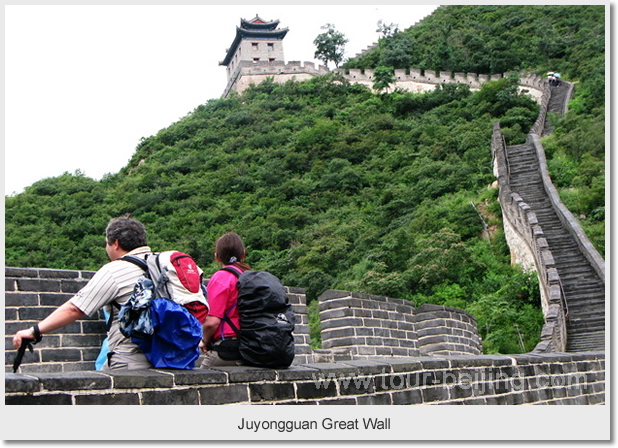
545	236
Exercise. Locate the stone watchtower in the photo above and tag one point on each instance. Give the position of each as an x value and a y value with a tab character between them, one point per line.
256	41
257	53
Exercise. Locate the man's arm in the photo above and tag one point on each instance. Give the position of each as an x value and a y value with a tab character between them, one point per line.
208	330
66	314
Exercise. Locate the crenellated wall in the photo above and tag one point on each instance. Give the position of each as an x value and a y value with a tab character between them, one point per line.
418	80
369	325
412	79
248	72
61	369
524	235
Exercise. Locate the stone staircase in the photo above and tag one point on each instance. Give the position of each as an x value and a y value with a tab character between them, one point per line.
556	105
583	289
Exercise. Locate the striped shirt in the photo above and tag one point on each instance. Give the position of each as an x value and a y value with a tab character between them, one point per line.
113	282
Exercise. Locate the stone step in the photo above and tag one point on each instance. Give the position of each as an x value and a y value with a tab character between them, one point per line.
576	281
586	329
585	285
585	296
579	318
586	333
591	297
587	345
586	307
579	322
570	260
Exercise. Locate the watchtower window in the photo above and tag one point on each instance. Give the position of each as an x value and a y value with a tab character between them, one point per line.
271	60
271	47
254	45
256	60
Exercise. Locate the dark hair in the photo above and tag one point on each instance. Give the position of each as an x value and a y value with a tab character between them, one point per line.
231	251
129	232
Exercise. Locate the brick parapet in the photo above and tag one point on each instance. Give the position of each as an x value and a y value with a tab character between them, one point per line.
369	325
31	294
555	378
443	330
411	79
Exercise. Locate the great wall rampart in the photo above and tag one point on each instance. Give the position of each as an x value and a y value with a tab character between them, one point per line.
377	350
526	237
412	80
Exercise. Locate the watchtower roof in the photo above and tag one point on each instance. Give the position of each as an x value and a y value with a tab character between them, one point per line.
258	23
255	28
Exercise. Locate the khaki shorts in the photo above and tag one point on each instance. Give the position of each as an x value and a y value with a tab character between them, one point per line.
129	361
212	359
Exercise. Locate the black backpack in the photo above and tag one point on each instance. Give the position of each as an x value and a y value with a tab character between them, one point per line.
266	320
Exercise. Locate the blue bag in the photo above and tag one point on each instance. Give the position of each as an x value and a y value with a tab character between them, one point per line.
166	332
174	343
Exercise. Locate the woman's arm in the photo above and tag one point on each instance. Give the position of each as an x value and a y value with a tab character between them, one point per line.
208	330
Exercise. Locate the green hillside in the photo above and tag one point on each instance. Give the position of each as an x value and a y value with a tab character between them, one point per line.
569	39
334	187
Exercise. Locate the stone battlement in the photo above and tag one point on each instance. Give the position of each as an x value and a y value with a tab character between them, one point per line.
376	351
248	72
412	79
368	325
353	325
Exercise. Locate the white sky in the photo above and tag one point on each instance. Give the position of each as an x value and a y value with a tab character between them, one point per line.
84	83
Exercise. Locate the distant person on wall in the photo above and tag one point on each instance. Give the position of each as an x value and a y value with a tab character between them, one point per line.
553	78
219	340
113	282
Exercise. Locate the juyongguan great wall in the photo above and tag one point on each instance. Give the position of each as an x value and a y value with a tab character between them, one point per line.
376	350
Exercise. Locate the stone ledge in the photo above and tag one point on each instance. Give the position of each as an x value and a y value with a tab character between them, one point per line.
484	379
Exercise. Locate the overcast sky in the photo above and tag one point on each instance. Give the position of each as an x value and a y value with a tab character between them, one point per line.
84	83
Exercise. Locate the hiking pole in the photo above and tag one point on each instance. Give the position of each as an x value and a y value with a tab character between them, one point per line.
26	344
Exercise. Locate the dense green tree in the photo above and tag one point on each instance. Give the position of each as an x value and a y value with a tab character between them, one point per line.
330	45
383	77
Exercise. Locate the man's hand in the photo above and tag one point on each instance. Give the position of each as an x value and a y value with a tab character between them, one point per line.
20	336
66	314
